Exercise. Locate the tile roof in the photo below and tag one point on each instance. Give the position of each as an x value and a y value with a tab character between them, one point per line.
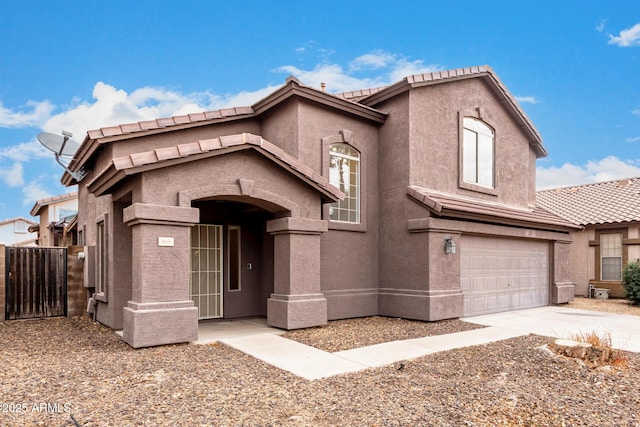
168	122
461	206
53	199
357	95
11	220
215	146
608	202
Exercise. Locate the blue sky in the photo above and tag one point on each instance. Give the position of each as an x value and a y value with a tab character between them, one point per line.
574	66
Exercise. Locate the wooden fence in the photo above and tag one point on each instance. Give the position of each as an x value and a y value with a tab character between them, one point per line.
36	282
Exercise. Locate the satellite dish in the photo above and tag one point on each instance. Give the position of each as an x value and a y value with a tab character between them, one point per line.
62	145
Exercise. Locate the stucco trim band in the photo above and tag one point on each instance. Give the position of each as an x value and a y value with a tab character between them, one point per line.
139	213
290	225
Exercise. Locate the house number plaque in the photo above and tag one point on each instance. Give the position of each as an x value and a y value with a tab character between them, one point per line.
165	241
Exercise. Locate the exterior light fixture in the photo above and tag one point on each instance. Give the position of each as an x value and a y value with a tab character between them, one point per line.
449	246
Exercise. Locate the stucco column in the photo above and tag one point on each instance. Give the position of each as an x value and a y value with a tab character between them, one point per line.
562	289
160	311
297	301
438	295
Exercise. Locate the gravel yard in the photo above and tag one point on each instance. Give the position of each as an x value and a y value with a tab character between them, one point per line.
53	369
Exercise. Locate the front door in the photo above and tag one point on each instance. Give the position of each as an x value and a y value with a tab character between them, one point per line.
206	284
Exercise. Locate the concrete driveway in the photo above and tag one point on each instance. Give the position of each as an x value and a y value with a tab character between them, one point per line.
563	322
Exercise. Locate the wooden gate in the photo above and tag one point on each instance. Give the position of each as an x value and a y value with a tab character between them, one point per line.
36	283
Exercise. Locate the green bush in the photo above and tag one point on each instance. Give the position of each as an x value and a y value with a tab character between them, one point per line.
631	281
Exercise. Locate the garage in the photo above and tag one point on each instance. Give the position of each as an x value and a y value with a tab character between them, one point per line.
499	274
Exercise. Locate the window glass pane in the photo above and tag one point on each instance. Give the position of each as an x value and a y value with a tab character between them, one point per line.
469	156
611	256
611	268
344	173
477	153
485	160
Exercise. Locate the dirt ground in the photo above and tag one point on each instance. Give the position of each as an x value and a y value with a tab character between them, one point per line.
621	306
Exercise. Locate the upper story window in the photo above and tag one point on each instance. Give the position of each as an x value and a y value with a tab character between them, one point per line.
478	153
20	227
344	173
611	256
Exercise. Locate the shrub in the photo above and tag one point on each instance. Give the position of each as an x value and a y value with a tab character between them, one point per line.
631	281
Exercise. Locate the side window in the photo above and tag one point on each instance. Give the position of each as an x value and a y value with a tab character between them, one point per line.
611	256
20	227
478	153
344	173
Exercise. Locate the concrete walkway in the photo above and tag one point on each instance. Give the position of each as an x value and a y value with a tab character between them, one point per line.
255	338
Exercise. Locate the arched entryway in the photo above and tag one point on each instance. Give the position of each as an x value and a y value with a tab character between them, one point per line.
231	259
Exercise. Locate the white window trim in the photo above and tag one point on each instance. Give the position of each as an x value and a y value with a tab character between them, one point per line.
479	115
620	257
345	136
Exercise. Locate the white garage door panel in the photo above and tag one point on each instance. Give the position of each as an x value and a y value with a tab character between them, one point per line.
503	274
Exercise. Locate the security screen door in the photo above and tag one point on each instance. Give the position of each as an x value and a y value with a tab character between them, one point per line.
206	270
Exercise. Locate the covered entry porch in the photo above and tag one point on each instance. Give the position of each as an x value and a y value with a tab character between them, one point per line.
230	231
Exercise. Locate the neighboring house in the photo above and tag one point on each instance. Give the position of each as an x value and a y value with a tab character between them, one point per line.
610	214
15	232
55	214
416	200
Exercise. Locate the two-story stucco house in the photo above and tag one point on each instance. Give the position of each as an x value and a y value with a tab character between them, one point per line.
414	200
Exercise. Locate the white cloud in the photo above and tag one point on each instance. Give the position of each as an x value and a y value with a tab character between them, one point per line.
33	191
391	68
37	114
374	60
526	99
636	112
25	151
14	176
600	25
569	174
635	139
627	38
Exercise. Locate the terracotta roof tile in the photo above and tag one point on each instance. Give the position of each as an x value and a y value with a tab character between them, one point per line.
210	144
179	120
148	124
140	159
190	148
165	122
131	127
110	131
197	117
607	202
167	153
121	163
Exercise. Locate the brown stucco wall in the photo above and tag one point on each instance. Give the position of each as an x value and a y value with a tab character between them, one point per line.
434	141
76	292
3	274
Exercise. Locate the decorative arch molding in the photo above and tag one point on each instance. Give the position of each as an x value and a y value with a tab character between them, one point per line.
244	188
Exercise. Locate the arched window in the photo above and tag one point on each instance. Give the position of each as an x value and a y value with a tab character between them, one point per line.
344	173
478	153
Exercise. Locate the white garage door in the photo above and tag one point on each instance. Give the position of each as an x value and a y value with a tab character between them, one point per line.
503	274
